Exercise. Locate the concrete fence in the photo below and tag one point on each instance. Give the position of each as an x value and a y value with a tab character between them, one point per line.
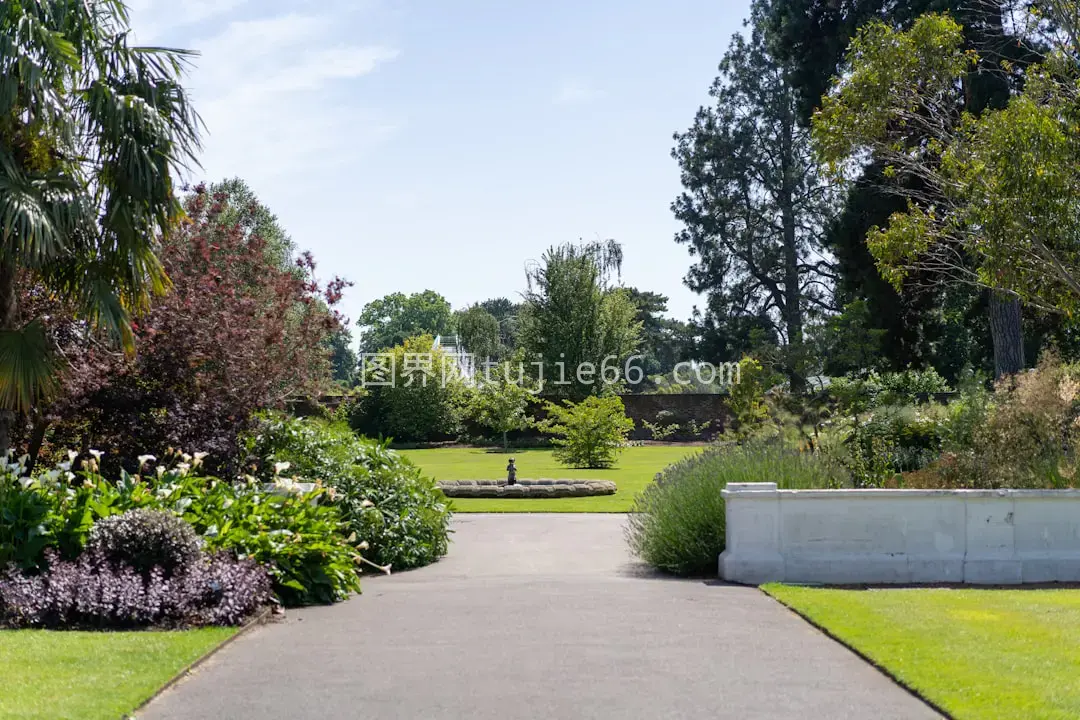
981	537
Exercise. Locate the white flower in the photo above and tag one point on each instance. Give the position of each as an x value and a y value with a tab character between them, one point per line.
143	459
72	455
281	467
367	504
26	481
183	467
186	457
160	471
363	546
197	459
97	454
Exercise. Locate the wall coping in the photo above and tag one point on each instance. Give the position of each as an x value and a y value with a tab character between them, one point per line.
764	490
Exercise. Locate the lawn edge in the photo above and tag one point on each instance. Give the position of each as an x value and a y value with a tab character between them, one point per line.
260	619
863	656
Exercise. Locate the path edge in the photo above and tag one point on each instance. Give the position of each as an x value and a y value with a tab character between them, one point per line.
261	618
860	654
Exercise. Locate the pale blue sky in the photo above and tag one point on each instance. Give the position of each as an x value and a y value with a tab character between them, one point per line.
441	144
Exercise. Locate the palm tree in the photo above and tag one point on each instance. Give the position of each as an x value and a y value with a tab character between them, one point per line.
93	132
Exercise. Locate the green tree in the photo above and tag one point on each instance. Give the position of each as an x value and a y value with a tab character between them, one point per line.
993	200
419	400
575	322
506	312
92	131
924	320
390	320
593	431
664	341
242	209
754	208
343	359
498	401
479	333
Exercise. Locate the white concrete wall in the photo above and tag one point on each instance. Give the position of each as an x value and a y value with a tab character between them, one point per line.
983	537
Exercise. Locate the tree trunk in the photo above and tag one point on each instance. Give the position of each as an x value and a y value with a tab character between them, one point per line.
37	438
1007	334
8	317
793	316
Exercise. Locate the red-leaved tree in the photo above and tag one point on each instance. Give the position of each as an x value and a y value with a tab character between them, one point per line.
242	328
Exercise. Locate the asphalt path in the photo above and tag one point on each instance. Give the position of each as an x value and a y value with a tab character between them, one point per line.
538	616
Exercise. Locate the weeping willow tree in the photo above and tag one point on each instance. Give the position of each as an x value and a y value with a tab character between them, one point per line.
93	132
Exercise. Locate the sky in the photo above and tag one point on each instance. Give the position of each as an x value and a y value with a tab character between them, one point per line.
444	144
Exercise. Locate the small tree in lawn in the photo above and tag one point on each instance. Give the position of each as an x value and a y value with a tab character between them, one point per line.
499	403
592	431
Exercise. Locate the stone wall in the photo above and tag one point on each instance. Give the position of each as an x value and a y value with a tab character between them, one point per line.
981	537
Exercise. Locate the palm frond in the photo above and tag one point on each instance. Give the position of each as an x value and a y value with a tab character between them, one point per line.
30	370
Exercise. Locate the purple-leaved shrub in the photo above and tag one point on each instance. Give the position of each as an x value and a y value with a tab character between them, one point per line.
146	539
93	591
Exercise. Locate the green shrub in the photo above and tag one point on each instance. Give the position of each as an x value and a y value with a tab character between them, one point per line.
677	523
385	499
144	539
299	537
592	431
746	397
894	440
420	404
1023	436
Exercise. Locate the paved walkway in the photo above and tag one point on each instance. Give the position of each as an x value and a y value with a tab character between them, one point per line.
538	616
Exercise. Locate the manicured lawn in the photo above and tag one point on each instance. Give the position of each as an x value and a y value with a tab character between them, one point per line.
90	675
975	653
637	466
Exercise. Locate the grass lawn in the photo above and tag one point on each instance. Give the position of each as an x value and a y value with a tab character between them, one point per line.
90	675
636	467
974	653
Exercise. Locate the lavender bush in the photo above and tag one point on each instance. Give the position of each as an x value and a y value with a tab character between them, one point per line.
93	591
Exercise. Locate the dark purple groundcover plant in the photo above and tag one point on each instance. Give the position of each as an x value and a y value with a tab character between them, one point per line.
92	592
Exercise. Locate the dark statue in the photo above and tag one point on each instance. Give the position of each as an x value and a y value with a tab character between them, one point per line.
511	473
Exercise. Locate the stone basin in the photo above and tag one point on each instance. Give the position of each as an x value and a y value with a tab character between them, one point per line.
525	488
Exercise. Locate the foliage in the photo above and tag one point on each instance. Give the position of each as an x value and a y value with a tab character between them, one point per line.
754	205
592	431
678	523
857	394
893	440
238	332
848	341
574	320
498	402
93	591
1026	437
479	332
387	502
746	396
419	401
391	320
990	191
145	539
925	322
506	313
298	536
92	133
664	341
